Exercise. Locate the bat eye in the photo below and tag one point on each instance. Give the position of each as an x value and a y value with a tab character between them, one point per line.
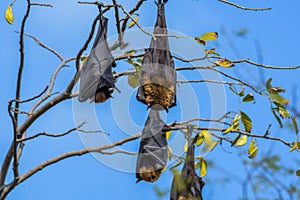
152	178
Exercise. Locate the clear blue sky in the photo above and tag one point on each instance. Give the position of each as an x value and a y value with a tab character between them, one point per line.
65	27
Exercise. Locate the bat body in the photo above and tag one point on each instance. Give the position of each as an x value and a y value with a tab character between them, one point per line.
187	185
96	79
158	75
153	152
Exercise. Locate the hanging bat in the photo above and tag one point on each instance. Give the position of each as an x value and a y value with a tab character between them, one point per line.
187	185
96	79
158	75
153	152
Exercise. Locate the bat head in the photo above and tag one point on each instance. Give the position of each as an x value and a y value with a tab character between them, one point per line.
103	94
149	174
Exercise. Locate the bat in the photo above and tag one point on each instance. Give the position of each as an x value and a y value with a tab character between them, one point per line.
96	79
187	185
158	75
153	151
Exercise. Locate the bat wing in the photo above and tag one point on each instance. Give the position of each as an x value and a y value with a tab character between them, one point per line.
153	152
158	75
188	184
96	73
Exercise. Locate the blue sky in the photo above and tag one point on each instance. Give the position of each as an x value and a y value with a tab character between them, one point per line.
65	27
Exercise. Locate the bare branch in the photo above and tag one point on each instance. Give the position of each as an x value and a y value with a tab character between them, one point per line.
52	135
12	150
266	66
75	153
138	5
209	81
43	45
51	85
242	7
41	4
118	151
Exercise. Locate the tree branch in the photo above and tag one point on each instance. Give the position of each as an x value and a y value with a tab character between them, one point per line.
242	7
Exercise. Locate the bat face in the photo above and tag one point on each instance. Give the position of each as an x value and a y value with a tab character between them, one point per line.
149	174
102	95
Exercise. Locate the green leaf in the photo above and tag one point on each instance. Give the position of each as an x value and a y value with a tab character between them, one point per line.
170	153
133	80
9	16
283	112
298	173
279	99
208	36
248	98
176	165
268	85
277	118
203	169
224	63
295	124
246	121
236	139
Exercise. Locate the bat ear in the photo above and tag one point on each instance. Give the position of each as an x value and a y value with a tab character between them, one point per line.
138	180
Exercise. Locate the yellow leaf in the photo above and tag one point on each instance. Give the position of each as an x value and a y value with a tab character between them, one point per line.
164	169
213	145
224	63
207	137
185	149
199	140
242	141
253	153
203	169
208	36
170	153
211	51
9	16
298	172
252	149
296	145
235	125
133	22
168	134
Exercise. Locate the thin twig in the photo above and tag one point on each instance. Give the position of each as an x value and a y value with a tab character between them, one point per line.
242	7
266	66
41	4
43	45
118	151
51	135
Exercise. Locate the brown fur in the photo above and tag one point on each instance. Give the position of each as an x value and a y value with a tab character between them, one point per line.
158	94
149	174
100	97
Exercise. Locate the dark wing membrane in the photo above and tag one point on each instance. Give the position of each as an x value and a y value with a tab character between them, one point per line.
96	74
187	185
153	152
158	75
